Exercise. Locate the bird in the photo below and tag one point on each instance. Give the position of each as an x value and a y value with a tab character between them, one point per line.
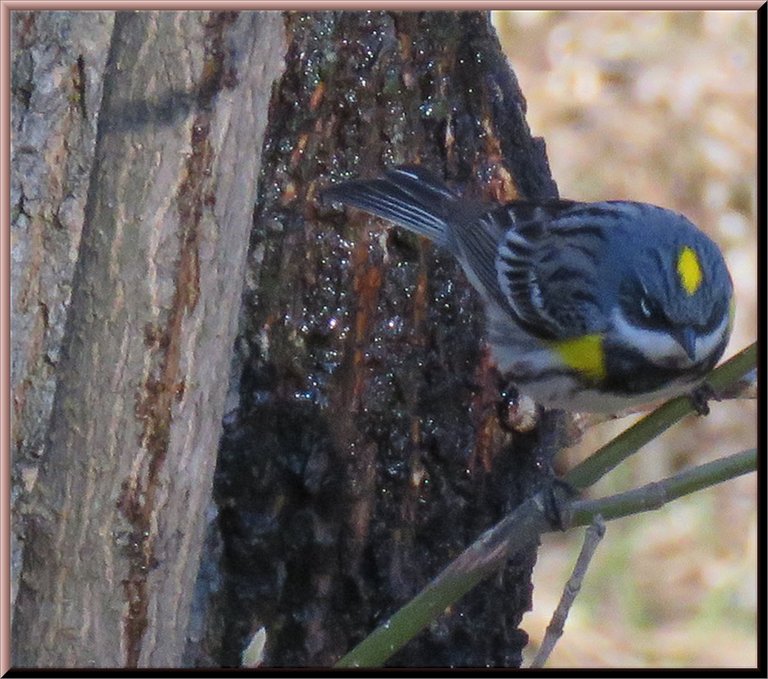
592	307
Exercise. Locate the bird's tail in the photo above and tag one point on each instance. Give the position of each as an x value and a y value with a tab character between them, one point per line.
408	195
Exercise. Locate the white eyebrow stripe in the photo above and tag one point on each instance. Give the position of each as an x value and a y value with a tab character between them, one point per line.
658	346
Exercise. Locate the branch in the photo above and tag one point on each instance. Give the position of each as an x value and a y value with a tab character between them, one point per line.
592	537
518	530
658	493
630	441
648	497
524	525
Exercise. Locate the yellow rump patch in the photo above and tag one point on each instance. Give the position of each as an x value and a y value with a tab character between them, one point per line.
689	270
583	354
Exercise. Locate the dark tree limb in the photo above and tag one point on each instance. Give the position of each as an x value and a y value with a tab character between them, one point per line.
363	451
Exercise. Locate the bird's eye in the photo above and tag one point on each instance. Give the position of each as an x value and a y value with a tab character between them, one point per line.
641	305
649	313
645	307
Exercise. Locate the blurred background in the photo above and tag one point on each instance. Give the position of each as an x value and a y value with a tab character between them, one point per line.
659	107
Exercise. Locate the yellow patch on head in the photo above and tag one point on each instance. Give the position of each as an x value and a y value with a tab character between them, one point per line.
689	270
583	354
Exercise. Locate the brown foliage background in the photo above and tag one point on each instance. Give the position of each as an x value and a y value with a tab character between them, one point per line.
660	107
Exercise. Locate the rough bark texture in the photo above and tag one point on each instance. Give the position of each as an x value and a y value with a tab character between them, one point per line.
115	522
362	450
57	73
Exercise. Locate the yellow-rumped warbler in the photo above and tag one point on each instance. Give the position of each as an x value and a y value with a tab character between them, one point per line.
592	307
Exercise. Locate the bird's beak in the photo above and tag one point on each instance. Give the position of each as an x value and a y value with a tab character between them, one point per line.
686	337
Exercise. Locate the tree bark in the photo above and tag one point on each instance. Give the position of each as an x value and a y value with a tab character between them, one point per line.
363	449
57	75
114	524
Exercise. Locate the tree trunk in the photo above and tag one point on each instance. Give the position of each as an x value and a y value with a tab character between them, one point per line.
57	75
363	449
114	524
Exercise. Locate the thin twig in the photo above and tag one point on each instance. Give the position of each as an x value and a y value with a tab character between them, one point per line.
518	530
592	537
744	389
521	528
629	441
524	525
656	494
